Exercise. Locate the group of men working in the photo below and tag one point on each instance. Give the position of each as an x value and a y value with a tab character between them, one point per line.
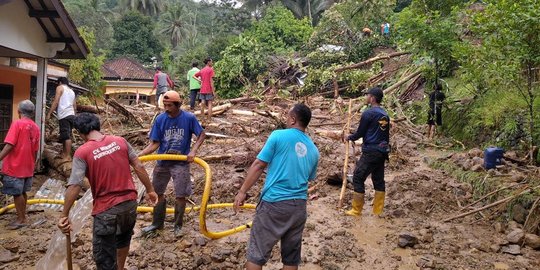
201	86
289	157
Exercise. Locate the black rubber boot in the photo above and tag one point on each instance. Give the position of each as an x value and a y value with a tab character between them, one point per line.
158	218
179	209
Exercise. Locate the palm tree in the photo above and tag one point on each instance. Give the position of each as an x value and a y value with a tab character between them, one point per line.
146	7
179	24
308	8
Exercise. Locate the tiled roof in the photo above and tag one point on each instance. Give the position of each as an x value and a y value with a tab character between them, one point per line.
125	68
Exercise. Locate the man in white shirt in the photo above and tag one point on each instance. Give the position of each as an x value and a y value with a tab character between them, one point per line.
65	106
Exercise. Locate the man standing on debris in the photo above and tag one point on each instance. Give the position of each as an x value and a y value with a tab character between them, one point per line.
194	85
292	159
64	101
161	83
385	29
105	161
374	128
436	99
206	77
19	157
171	134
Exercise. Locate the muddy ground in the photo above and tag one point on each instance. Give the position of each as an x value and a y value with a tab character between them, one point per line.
418	199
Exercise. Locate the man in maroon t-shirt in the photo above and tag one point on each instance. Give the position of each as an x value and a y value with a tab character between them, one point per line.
105	160
206	95
19	157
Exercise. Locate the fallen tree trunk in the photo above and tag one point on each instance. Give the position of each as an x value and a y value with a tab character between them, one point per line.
242	99
392	88
87	108
369	61
56	162
217	110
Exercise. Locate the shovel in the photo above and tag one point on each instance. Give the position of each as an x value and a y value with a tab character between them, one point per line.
68	252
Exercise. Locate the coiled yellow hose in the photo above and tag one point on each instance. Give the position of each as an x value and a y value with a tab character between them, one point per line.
203	207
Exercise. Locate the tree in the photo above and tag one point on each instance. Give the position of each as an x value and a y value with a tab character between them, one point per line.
429	34
146	7
133	36
280	31
508	55
312	9
179	24
87	72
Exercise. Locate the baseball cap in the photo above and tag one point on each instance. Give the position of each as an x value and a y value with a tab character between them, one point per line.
376	92
171	96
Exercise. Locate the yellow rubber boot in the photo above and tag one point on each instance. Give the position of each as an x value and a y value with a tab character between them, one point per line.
357	204
378	202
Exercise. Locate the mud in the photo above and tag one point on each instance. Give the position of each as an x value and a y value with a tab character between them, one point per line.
418	199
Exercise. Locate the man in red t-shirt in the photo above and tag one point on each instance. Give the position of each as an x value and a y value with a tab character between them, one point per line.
206	95
19	157
105	160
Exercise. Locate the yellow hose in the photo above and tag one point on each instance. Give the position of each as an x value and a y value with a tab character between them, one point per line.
203	207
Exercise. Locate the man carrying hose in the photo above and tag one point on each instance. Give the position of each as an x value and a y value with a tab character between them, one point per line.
374	128
292	159
171	134
105	160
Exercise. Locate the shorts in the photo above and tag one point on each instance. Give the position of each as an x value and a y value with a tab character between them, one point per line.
434	118
277	221
113	229
159	99
16	186
205	97
66	125
179	172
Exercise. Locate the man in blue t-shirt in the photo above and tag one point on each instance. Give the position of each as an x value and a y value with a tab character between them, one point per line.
171	134
292	159
374	128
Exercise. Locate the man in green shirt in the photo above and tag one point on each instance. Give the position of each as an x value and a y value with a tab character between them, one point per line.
194	85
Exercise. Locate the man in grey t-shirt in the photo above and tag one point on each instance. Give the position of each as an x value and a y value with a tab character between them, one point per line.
162	82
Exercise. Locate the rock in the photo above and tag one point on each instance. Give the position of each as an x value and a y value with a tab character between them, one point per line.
495	248
532	240
519	213
517	177
6	256
426	262
169	257
12	246
475	152
407	240
341	232
467	165
512	225
198	260
515	236
511	249
398	213
184	244
500	266
477	168
498	227
200	241
478	161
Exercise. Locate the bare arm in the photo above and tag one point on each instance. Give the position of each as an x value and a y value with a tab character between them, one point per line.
150	148
253	174
7	148
140	171
198	142
69	198
57	95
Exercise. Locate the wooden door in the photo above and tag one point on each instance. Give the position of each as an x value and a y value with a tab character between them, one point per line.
6	109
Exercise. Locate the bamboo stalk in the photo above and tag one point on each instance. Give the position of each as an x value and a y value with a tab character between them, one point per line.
346	163
489	194
490	205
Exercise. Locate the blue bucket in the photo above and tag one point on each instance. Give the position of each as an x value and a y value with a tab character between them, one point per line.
492	157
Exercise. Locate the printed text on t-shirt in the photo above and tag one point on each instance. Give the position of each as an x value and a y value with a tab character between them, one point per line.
105	150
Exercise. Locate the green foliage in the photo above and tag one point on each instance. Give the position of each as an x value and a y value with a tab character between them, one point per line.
497	61
279	31
429	34
133	36
87	72
241	63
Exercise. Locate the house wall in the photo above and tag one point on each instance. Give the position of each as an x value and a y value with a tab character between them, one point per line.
21	86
